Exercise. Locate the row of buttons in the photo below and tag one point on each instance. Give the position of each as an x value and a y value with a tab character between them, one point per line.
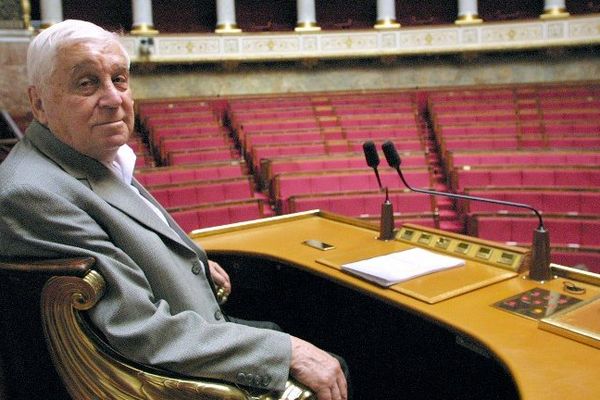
253	380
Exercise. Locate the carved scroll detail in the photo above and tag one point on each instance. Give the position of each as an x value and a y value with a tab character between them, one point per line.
90	373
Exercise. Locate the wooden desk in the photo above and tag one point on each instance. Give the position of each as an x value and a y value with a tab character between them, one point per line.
543	365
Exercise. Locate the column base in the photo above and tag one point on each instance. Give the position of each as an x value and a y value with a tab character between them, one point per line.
228	28
143	30
388	23
468	19
307	27
554	13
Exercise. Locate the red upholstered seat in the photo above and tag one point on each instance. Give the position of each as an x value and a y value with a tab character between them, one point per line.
200	156
564	177
563	231
218	214
548	201
277	165
180	174
204	192
540	178
258	138
362	203
589	202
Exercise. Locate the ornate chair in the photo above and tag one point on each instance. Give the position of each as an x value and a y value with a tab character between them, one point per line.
46	335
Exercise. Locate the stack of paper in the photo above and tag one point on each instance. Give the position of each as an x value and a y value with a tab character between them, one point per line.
401	266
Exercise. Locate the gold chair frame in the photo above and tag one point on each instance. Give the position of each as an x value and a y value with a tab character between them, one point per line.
90	368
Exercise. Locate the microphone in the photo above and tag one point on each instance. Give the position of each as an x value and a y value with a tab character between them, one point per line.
386	222
539	269
372	158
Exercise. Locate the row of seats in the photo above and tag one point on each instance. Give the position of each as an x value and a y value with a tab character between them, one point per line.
576	232
525	176
489	142
290	162
286	185
297	165
505	127
194	172
172	128
219	214
192	193
274	166
550	158
366	205
550	201
202	181
537	146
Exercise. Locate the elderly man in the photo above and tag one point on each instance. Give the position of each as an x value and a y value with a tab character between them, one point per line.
67	191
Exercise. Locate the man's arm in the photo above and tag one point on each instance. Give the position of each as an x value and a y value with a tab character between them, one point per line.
141	325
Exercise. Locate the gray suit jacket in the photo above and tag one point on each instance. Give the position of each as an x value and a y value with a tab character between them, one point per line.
159	308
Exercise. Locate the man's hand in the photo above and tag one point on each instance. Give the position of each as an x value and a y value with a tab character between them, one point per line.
318	370
220	277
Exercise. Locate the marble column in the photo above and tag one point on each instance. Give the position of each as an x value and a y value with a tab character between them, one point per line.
468	13
554	9
51	12
226	22
386	15
306	16
142	18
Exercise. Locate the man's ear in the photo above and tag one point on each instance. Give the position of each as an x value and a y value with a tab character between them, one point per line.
37	105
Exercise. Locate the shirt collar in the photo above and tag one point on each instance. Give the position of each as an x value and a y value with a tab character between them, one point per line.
124	163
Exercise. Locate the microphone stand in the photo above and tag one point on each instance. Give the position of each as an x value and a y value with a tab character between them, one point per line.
539	269
386	222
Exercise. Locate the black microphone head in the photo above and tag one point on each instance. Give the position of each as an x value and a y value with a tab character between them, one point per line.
391	154
371	154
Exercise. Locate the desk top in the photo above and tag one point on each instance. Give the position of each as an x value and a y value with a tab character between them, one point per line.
544	365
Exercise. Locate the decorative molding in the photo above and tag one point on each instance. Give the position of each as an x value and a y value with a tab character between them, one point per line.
485	37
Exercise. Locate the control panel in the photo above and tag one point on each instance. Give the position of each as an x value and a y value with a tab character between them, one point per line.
503	256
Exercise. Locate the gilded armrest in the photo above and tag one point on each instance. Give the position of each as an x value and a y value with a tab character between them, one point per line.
90	370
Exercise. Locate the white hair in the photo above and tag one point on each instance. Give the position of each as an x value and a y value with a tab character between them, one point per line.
43	48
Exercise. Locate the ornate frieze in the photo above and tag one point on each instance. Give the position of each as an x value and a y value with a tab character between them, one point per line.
573	31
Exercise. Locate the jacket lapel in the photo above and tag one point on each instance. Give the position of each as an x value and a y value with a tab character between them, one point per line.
172	223
116	193
101	180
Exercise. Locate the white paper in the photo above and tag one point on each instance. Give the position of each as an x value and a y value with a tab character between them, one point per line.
401	266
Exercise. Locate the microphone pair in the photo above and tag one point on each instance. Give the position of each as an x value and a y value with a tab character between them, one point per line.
540	258
386	223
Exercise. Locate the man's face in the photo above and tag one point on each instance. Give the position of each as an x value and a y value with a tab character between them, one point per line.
88	103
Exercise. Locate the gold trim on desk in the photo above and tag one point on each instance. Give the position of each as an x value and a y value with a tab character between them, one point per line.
575	274
580	322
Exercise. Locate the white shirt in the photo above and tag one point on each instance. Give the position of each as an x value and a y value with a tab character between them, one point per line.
123	167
